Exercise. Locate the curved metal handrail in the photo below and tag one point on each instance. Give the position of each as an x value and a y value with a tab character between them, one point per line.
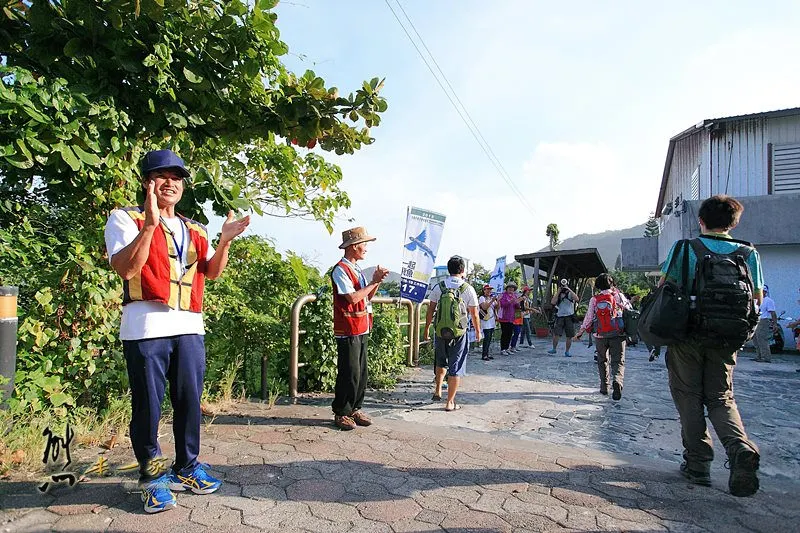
412	348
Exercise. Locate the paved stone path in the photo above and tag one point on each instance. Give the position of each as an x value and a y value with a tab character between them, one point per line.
533	449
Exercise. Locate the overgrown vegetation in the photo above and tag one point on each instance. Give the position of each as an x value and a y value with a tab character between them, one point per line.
87	87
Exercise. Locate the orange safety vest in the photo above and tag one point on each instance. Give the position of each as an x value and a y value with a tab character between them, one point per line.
349	319
159	280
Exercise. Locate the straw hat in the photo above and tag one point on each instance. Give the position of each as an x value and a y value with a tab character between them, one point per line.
355	236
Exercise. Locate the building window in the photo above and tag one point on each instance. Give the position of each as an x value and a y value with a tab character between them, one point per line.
695	184
786	168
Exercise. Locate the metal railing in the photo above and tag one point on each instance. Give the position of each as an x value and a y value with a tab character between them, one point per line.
411	344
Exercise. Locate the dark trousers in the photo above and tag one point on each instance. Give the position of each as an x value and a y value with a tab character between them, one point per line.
702	379
487	340
351	375
611	350
515	335
506	332
181	360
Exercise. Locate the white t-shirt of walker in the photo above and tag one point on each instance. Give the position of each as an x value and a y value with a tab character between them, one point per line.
151	320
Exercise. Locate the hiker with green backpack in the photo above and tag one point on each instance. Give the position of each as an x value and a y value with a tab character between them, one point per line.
453	304
723	280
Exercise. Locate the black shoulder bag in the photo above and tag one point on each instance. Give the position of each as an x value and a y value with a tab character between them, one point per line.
665	311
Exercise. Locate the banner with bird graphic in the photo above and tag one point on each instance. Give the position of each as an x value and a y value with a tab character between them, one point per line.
498	277
421	244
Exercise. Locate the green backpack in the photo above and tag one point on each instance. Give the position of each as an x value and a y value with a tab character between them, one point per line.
451	313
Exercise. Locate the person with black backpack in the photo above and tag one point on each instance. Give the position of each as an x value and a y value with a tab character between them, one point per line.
453	302
723	279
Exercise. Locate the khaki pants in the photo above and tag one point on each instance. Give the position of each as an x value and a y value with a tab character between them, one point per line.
761	339
613	349
703	378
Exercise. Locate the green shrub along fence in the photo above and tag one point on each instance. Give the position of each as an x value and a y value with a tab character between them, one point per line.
69	354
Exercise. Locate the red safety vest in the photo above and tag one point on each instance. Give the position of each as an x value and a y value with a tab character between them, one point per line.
159	280
349	319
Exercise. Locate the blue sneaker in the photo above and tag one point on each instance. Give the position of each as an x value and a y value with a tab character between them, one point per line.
566	354
198	481
551	352
156	495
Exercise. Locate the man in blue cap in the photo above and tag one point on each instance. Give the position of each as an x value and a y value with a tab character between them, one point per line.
163	259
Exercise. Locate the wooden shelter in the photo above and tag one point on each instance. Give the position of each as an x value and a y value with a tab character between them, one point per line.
578	267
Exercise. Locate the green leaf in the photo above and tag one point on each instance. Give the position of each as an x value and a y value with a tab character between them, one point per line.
59	398
70	158
72	47
44	297
116	20
86	157
179	121
191	77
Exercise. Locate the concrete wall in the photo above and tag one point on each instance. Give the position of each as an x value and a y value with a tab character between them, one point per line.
781	269
640	254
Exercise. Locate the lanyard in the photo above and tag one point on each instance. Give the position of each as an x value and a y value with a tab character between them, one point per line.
178	248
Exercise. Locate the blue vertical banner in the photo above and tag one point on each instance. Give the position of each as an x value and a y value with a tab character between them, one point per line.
498	277
423	235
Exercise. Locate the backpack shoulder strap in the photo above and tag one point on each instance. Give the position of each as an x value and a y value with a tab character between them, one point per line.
463	288
442	286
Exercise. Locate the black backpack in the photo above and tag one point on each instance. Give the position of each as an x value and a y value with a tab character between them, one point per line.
725	313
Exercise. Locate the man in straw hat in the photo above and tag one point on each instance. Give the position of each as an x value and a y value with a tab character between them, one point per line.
352	322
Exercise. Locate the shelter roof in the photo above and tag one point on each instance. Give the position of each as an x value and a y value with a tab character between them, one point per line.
572	264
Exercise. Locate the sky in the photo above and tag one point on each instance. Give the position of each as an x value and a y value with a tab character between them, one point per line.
577	103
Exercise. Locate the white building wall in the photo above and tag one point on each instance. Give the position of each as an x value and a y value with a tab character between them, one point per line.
781	265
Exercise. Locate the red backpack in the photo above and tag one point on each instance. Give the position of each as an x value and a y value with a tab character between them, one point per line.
606	322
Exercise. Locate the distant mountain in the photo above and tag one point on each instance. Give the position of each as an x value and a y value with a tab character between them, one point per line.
608	243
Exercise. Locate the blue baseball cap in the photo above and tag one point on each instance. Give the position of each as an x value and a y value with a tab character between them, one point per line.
161	159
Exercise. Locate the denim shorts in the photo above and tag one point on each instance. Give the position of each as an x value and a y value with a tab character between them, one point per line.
452	355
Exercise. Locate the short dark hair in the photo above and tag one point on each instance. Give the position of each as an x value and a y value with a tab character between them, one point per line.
604	282
456	265
721	212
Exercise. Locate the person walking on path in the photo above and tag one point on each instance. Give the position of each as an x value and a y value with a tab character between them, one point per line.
163	259
455	303
487	304
352	323
527	311
516	332
766	323
604	319
564	301
507	310
701	373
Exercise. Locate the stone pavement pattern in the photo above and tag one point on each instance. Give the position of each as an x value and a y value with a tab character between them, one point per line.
418	468
533	395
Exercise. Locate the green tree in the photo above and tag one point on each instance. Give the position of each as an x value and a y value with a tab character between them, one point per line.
552	233
392	288
514	274
88	86
477	276
651	227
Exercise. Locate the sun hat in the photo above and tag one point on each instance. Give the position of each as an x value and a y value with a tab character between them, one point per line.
355	236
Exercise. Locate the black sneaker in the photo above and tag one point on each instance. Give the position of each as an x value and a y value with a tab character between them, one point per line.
617	394
743	462
698	478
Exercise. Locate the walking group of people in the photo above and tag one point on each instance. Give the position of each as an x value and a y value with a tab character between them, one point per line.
164	258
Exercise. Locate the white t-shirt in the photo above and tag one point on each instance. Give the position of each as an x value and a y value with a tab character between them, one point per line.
469	297
150	320
490	312
344	285
767	306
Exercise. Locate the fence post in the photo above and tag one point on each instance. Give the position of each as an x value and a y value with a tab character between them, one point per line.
294	343
8	341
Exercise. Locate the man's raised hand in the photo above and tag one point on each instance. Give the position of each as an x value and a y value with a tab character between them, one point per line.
233	228
151	212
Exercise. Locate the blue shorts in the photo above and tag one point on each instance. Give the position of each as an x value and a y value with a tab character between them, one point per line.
452	355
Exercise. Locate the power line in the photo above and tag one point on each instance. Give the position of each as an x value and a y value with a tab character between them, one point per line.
468	121
466	111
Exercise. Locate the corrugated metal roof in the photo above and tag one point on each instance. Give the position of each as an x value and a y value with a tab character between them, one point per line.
788	112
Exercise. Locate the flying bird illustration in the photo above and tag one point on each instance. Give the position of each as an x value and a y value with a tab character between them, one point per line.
419	242
497	274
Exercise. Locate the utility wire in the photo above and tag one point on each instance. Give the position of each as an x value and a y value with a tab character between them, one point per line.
471	126
466	111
